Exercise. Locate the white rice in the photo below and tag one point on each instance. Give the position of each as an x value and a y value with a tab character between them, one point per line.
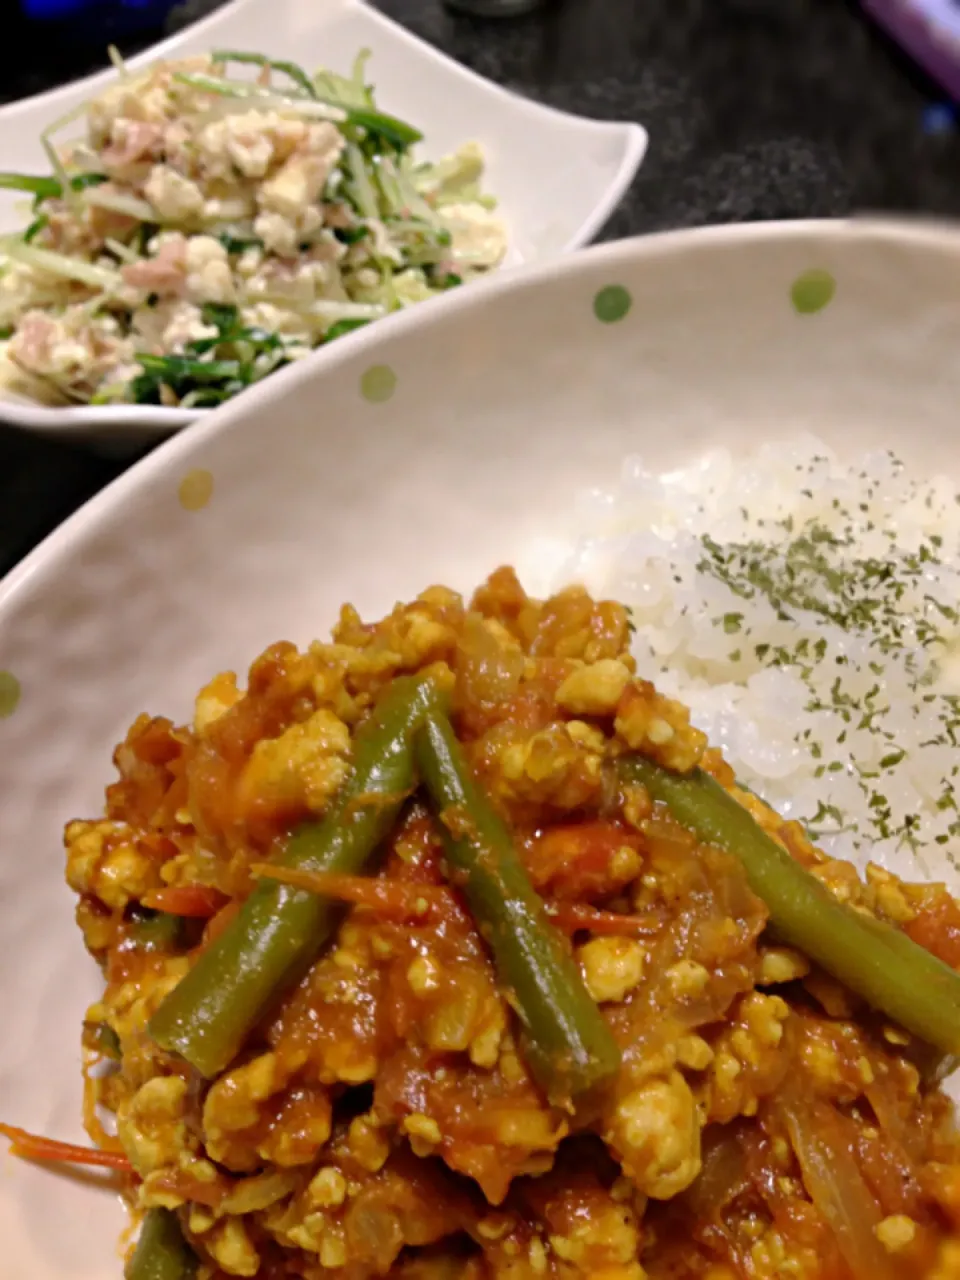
828	671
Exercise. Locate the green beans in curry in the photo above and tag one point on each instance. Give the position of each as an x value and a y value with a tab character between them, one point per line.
875	960
569	1046
161	1253
280	930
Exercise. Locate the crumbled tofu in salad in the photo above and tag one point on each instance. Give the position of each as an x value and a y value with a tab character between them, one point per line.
222	216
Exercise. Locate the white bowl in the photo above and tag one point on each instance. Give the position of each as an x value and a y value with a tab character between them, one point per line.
435	446
557	177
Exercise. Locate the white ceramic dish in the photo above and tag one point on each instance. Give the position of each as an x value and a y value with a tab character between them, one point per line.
557	177
433	447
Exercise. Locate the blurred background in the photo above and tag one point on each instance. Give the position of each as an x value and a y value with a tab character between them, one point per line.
756	108
133	12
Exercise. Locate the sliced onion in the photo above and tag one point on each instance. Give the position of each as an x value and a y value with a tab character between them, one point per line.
724	1175
119	202
831	1175
251	1195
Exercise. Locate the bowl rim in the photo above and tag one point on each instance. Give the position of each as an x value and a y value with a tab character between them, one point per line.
930	233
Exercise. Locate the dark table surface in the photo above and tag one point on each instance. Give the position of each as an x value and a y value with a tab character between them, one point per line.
756	109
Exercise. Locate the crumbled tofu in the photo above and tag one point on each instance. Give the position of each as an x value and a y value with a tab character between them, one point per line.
75	349
423	976
230	1245
479	236
594	689
694	1053
209	277
300	180
658	726
104	862
328	1188
368	1143
278	232
215	700
485	1045
423	1132
896	1232
687	978
306	762
152	1126
185	324
245	141
233	1101
611	967
656	1132
782	964
175	198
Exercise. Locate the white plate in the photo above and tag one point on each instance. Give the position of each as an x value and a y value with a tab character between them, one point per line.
558	177
506	401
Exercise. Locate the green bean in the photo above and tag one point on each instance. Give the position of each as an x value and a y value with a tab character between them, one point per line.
873	959
106	1040
161	1252
569	1046
279	930
160	931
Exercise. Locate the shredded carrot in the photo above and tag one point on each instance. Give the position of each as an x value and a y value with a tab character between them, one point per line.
403	900
392	898
573	916
155	845
216	924
198	901
34	1147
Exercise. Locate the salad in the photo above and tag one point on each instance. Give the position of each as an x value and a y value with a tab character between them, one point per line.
222	216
